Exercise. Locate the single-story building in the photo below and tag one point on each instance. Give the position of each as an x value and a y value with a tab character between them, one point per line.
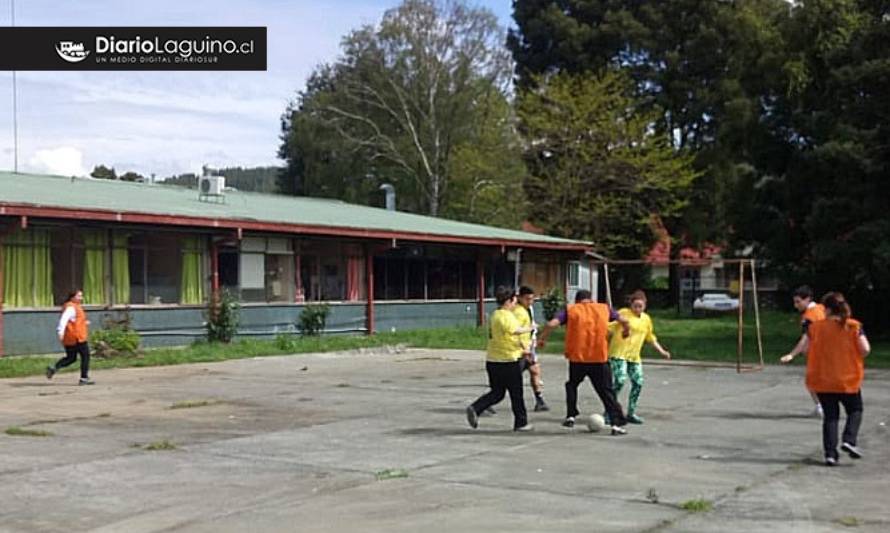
157	253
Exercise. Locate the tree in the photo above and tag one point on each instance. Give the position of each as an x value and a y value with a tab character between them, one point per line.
403	99
486	171
598	170
102	172
709	68
132	176
822	217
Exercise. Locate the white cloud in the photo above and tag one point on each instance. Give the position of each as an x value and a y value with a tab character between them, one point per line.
62	161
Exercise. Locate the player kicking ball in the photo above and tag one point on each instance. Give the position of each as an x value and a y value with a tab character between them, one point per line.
586	348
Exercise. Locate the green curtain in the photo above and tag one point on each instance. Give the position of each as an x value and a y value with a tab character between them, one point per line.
94	267
43	270
191	288
27	269
120	269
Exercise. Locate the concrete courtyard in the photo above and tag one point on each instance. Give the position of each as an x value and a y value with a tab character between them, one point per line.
378	442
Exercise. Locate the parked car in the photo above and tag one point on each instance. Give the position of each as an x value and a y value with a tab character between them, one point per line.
715	302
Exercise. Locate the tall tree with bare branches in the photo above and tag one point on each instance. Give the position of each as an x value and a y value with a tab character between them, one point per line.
404	96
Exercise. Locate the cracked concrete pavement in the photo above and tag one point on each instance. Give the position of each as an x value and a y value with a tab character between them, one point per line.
295	443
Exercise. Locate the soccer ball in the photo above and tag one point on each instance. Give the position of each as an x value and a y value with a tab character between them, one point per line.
596	423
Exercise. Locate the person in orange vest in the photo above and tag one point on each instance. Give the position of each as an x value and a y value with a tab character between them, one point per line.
73	332
587	349
810	312
836	351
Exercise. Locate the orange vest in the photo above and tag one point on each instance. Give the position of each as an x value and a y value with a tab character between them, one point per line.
814	314
834	363
75	332
587	326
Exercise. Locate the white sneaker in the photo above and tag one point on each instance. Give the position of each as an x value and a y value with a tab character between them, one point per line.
818	412
527	427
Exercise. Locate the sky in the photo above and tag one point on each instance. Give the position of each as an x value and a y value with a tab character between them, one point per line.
167	123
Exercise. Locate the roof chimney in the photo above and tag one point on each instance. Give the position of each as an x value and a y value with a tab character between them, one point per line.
390	196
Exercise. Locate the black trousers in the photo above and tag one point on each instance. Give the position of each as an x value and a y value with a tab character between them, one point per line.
504	378
71	353
601	377
831	402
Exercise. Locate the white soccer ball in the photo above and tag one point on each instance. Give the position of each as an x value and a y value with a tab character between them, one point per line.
596	423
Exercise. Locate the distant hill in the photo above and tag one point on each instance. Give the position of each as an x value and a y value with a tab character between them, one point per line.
256	179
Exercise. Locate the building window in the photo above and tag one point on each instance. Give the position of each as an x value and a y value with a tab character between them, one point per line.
573	274
67	260
332	271
397	277
263	271
155	268
28	269
279	278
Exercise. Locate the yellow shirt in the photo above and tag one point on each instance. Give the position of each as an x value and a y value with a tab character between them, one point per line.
640	331
525	320
503	343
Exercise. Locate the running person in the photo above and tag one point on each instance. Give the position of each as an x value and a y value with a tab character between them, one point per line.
525	313
624	352
836	351
73	333
503	363
810	312
586	348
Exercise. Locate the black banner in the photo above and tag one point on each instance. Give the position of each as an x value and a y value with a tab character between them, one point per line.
133	48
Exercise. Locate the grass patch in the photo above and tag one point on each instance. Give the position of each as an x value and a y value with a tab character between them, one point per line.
191	404
159	445
700	339
698	505
16	431
391	473
849	521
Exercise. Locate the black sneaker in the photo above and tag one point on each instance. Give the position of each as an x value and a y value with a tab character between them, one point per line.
472	417
541	405
851	450
618	430
50	372
830	461
569	422
86	381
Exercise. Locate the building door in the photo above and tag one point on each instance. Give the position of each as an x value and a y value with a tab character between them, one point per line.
578	277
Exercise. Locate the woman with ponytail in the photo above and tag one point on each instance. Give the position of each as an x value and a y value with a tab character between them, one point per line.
836	349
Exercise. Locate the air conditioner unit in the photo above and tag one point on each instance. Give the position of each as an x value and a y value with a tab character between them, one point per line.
212	185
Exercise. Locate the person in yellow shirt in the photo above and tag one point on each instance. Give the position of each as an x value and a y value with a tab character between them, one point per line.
624	352
503	363
525	313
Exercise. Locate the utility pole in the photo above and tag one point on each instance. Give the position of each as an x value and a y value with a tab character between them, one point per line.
15	111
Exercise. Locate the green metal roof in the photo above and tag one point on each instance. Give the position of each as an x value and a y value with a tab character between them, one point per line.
137	198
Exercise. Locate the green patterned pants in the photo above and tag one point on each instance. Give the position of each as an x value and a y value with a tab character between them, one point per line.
621	370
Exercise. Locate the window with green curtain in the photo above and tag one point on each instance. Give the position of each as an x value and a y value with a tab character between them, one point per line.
191	288
27	269
120	269
94	267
